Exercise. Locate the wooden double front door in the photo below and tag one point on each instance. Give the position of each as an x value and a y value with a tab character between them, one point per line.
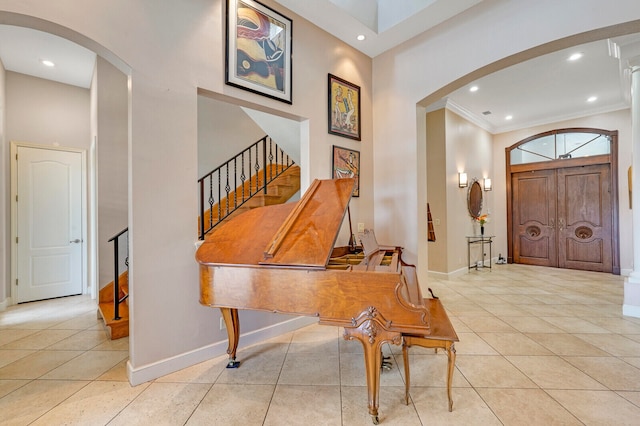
564	217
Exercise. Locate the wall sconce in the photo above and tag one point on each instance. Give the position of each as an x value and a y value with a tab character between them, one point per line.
462	180
487	184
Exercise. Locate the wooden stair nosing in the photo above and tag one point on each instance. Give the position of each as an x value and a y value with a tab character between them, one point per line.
105	294
117	328
106	310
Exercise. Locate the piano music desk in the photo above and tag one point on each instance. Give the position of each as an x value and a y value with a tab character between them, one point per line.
442	336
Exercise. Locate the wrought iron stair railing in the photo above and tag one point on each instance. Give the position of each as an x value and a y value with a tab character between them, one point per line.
236	181
117	300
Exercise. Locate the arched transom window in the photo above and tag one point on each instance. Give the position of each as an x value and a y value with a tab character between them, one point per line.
559	145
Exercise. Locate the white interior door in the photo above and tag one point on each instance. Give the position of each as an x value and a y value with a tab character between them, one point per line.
49	223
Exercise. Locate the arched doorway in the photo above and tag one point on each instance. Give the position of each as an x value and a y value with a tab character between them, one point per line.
100	105
562	203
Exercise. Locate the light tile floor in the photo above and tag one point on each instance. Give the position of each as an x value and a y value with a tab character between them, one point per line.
538	346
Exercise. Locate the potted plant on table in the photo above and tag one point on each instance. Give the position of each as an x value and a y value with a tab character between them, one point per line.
482	219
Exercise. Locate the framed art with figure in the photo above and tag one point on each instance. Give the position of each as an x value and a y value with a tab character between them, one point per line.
344	108
258	55
346	164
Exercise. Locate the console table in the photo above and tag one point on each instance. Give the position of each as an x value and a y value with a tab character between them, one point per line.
482	241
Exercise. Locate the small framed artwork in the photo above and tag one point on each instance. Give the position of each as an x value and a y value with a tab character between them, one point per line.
344	108
346	164
258	56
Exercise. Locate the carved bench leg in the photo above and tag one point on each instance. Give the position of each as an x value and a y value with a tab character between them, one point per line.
407	375
447	345
451	355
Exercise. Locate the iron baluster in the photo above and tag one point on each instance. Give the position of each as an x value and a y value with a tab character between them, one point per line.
264	163
116	283
211	202
270	162
116	280
243	177
227	188
202	231
248	177
257	169
235	183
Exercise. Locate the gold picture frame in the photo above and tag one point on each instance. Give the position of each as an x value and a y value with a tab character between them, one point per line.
344	108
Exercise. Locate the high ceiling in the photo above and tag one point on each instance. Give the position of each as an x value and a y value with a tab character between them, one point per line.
545	89
384	23
23	49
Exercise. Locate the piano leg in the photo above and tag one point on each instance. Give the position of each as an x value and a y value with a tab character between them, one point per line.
372	336
232	323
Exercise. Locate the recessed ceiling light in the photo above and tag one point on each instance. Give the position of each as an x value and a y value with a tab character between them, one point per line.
575	56
473	88
508	117
47	63
592	98
361	37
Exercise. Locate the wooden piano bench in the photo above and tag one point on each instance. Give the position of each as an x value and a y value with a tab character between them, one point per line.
442	336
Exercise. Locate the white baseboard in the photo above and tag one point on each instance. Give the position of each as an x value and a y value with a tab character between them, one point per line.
459	272
166	366
631	311
5	304
448	275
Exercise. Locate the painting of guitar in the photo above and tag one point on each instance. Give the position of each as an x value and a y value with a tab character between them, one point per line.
258	49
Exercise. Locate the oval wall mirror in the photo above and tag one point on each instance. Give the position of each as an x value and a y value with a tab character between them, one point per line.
474	199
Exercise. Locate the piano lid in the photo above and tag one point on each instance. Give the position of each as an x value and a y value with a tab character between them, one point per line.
308	235
300	234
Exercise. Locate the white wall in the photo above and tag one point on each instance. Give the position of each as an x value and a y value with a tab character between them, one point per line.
4	191
224	130
112	165
285	132
436	153
47	113
469	149
172	49
416	73
455	145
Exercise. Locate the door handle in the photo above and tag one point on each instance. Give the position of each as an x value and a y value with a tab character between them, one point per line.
561	223
76	241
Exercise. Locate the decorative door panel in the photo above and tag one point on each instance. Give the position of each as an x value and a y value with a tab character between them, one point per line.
49	228
562	200
534	215
585	218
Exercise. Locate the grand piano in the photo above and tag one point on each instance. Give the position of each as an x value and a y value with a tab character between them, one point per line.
278	259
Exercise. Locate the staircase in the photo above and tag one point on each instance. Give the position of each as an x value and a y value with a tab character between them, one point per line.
240	180
285	184
279	191
116	328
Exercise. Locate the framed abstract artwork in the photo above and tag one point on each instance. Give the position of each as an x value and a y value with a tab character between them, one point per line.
346	164
344	108
258	55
